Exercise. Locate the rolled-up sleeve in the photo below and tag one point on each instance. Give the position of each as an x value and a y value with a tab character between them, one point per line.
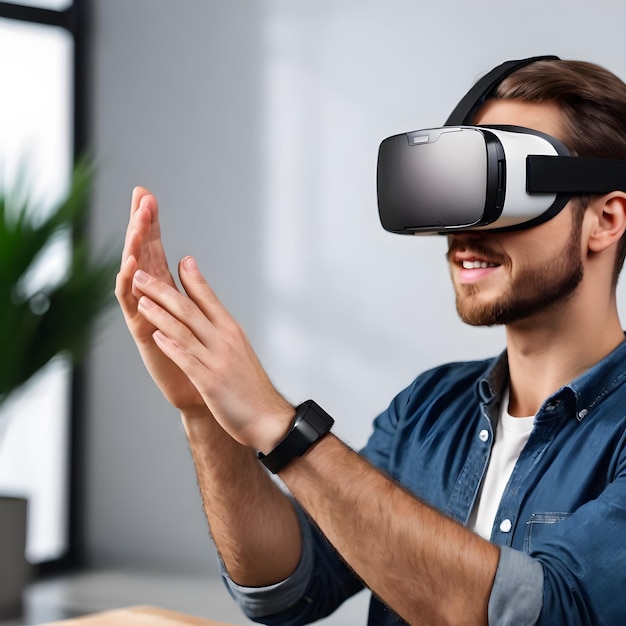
517	593
320	583
259	601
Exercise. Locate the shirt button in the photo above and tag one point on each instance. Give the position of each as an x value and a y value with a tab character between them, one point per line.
505	526
483	435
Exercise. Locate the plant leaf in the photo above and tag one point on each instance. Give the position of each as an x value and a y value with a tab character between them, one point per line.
39	321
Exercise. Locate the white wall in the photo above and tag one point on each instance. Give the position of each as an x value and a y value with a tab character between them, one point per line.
257	124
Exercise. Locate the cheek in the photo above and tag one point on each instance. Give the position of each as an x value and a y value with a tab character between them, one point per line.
533	263
539	249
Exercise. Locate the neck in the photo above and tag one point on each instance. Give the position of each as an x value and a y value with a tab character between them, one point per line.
555	347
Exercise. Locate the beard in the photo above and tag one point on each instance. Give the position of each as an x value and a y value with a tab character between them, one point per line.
533	290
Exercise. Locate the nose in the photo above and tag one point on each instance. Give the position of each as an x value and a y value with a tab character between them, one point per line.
464	237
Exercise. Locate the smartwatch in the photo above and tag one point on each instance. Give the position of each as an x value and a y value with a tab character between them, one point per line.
309	426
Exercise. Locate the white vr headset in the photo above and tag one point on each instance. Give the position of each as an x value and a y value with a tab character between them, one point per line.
464	177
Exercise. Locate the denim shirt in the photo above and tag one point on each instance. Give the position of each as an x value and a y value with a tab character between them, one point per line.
561	523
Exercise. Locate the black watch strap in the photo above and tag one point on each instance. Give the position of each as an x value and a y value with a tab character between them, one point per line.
309	426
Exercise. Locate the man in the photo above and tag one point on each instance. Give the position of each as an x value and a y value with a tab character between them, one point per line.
490	492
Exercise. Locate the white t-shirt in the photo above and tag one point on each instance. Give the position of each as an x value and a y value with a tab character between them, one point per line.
511	436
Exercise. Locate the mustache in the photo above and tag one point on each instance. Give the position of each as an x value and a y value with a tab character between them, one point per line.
477	248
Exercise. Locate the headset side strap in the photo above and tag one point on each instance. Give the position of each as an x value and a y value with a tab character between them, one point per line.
567	174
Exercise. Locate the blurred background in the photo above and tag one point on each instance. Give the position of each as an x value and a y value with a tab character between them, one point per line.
256	124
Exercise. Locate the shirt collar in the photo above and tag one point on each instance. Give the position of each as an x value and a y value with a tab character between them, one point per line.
599	381
588	389
491	385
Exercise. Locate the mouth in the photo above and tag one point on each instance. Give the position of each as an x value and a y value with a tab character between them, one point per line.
473	267
476	264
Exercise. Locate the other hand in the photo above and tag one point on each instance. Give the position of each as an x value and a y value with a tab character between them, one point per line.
197	333
143	249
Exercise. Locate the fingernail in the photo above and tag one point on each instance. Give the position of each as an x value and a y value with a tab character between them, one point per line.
140	277
190	263
145	303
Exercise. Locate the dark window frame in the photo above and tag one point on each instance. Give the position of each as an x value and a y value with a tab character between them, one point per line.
75	21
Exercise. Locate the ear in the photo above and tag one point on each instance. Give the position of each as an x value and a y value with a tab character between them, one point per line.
609	223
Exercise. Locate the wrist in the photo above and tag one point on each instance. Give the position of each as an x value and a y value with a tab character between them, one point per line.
276	429
195	411
199	421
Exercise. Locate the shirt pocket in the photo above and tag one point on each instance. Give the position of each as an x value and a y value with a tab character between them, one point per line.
539	526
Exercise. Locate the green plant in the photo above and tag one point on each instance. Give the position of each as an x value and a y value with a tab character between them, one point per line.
39	321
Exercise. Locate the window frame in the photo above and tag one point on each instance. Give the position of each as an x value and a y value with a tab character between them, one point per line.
74	20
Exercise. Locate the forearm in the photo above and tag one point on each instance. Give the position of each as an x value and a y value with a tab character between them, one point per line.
426	567
253	524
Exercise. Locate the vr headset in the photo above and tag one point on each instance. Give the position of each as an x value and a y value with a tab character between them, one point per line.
466	177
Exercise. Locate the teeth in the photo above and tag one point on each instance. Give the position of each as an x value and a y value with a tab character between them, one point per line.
474	265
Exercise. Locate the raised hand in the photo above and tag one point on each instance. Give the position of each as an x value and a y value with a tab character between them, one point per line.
199	335
143	250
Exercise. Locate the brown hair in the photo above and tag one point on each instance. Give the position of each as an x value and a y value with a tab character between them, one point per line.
593	103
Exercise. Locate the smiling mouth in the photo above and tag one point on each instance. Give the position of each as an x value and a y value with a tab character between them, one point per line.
474	265
472	269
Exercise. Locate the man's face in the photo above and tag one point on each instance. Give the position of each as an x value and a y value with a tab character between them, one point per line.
503	278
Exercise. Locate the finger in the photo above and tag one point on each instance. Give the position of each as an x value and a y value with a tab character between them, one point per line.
143	236
139	198
128	300
200	292
137	195
175	330
124	282
196	367
135	235
175	304
184	359
196	316
143	205
144	215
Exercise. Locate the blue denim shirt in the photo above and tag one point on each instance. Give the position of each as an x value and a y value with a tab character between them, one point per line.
561	523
